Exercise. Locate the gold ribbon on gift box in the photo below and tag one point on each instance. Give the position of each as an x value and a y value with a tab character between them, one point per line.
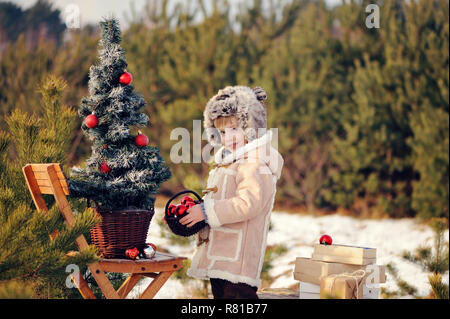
328	285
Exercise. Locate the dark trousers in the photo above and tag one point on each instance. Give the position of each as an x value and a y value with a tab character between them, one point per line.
224	289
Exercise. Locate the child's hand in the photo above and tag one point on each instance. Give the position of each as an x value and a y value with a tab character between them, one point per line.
194	215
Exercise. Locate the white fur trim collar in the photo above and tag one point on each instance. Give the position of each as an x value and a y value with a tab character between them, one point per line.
237	154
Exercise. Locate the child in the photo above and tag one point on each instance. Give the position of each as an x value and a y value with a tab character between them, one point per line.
240	194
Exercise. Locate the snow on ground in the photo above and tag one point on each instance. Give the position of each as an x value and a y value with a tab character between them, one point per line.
300	232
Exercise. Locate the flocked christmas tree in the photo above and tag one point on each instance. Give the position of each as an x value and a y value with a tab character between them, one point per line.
123	171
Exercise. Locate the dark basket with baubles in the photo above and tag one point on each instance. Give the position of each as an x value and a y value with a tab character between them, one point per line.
173	214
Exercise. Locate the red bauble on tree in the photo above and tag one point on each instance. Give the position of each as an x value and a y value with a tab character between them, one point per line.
141	140
126	78
91	121
104	168
325	240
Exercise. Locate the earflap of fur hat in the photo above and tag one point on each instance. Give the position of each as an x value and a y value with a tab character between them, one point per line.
252	112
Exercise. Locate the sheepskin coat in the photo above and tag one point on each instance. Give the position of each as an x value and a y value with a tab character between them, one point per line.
241	193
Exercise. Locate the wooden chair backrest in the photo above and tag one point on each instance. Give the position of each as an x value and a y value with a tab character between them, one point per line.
49	179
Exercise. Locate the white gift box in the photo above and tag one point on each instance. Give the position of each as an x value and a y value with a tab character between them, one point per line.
312	291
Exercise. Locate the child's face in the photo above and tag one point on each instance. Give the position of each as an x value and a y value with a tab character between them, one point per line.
232	136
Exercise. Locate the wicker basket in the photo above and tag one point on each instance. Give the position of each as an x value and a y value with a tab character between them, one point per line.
174	221
121	230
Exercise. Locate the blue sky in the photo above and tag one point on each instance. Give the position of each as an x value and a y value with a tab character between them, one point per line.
93	11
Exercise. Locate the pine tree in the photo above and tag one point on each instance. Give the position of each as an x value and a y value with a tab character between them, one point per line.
307	89
429	119
432	259
28	255
119	174
21	68
39	20
394	154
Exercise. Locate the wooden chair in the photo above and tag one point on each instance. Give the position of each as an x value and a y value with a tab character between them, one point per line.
50	179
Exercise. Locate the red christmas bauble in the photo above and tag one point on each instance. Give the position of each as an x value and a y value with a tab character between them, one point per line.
132	253
170	209
186	199
141	140
104	168
126	78
325	240
91	121
181	209
190	204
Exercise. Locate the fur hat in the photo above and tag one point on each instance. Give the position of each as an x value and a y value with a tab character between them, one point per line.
243	102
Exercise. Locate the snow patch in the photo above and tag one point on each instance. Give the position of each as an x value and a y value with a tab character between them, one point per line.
300	232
